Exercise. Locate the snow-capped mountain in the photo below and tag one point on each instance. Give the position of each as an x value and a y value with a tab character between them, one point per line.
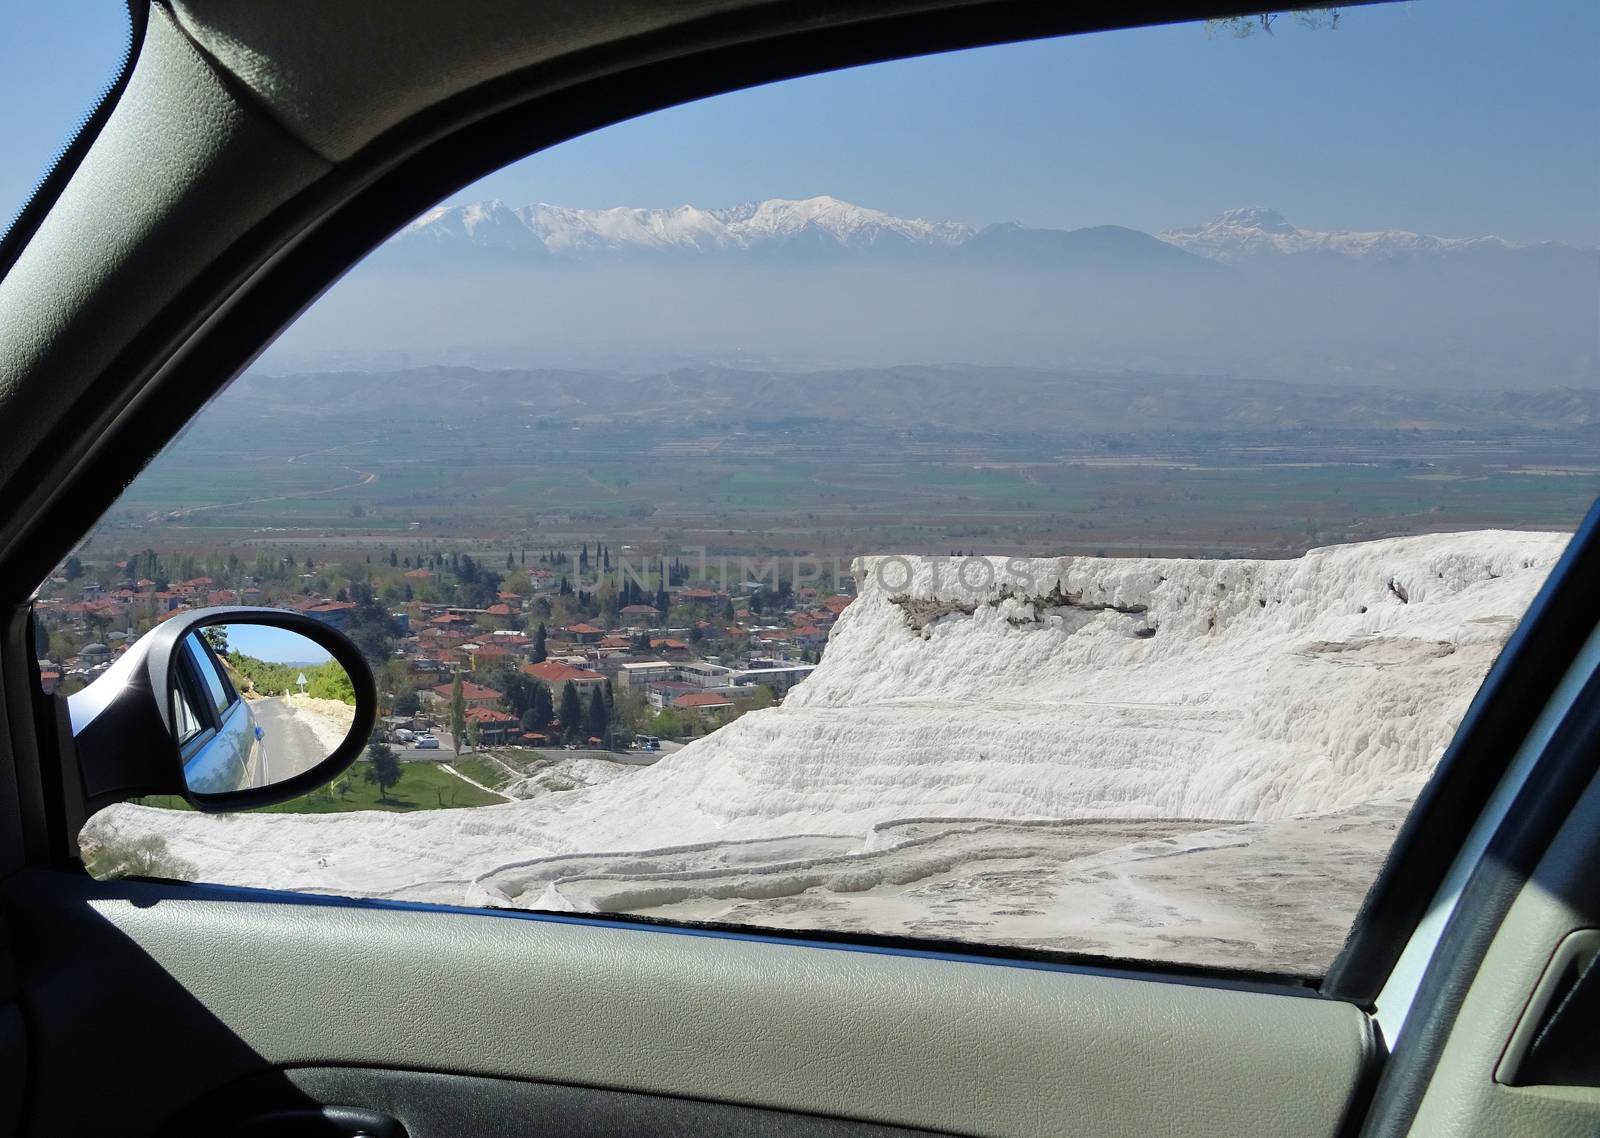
1239	235
782	228
577	233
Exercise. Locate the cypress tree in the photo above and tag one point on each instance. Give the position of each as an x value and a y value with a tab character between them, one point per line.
571	714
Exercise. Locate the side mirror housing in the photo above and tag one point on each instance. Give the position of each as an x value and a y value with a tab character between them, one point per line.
231	708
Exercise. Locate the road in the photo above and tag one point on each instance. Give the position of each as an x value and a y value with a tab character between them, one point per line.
288	746
444	754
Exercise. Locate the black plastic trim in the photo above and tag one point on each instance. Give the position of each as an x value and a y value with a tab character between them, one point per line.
1552	632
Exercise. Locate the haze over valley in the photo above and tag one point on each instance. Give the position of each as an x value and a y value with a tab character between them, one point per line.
1247	295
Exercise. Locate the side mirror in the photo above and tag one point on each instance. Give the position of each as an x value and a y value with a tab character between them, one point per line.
229	707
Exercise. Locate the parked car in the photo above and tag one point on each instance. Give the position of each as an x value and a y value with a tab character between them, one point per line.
427	742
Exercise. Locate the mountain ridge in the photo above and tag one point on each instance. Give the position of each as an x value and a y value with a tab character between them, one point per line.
826	223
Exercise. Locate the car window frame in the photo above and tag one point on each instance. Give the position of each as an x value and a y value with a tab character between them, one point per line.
187	684
329	231
209	668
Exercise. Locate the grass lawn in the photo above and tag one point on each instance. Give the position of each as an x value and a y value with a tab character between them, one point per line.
422	786
486	771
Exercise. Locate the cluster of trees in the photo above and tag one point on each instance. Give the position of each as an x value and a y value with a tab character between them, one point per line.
327	680
536	709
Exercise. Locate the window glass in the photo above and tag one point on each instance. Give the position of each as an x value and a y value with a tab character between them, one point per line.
1060	496
189	724
215	686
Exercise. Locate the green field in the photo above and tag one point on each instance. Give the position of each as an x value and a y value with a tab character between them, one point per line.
486	771
534	461
422	786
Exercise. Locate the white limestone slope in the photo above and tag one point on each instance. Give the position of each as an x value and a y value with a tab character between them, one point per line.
1051	691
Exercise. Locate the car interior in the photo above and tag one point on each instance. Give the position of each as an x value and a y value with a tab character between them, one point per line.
248	157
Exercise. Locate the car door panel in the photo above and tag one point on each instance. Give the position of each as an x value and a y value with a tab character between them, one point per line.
196	987
1468	1092
305	1101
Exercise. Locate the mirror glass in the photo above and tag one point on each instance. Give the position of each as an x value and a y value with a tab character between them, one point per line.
255	705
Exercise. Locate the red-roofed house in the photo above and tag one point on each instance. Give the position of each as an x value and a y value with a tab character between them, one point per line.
474	695
705	702
486	655
494	727
556	675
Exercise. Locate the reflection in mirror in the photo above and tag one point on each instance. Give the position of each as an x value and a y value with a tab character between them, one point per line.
255	705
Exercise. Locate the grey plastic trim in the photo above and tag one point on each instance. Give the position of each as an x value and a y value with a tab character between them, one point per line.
1400	992
1577	945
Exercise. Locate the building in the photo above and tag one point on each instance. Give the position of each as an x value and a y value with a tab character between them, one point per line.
487	655
94	655
703	674
474	695
665	693
701	596
556	676
494	727
639	614
779	677
645	672
705	702
334	613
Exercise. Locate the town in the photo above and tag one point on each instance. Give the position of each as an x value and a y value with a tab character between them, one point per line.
573	649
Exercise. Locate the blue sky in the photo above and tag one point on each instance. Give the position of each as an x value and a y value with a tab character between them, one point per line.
55	58
278	645
1458	117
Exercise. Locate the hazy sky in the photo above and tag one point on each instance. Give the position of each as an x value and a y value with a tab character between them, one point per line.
1457	117
277	645
1446	116
55	58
